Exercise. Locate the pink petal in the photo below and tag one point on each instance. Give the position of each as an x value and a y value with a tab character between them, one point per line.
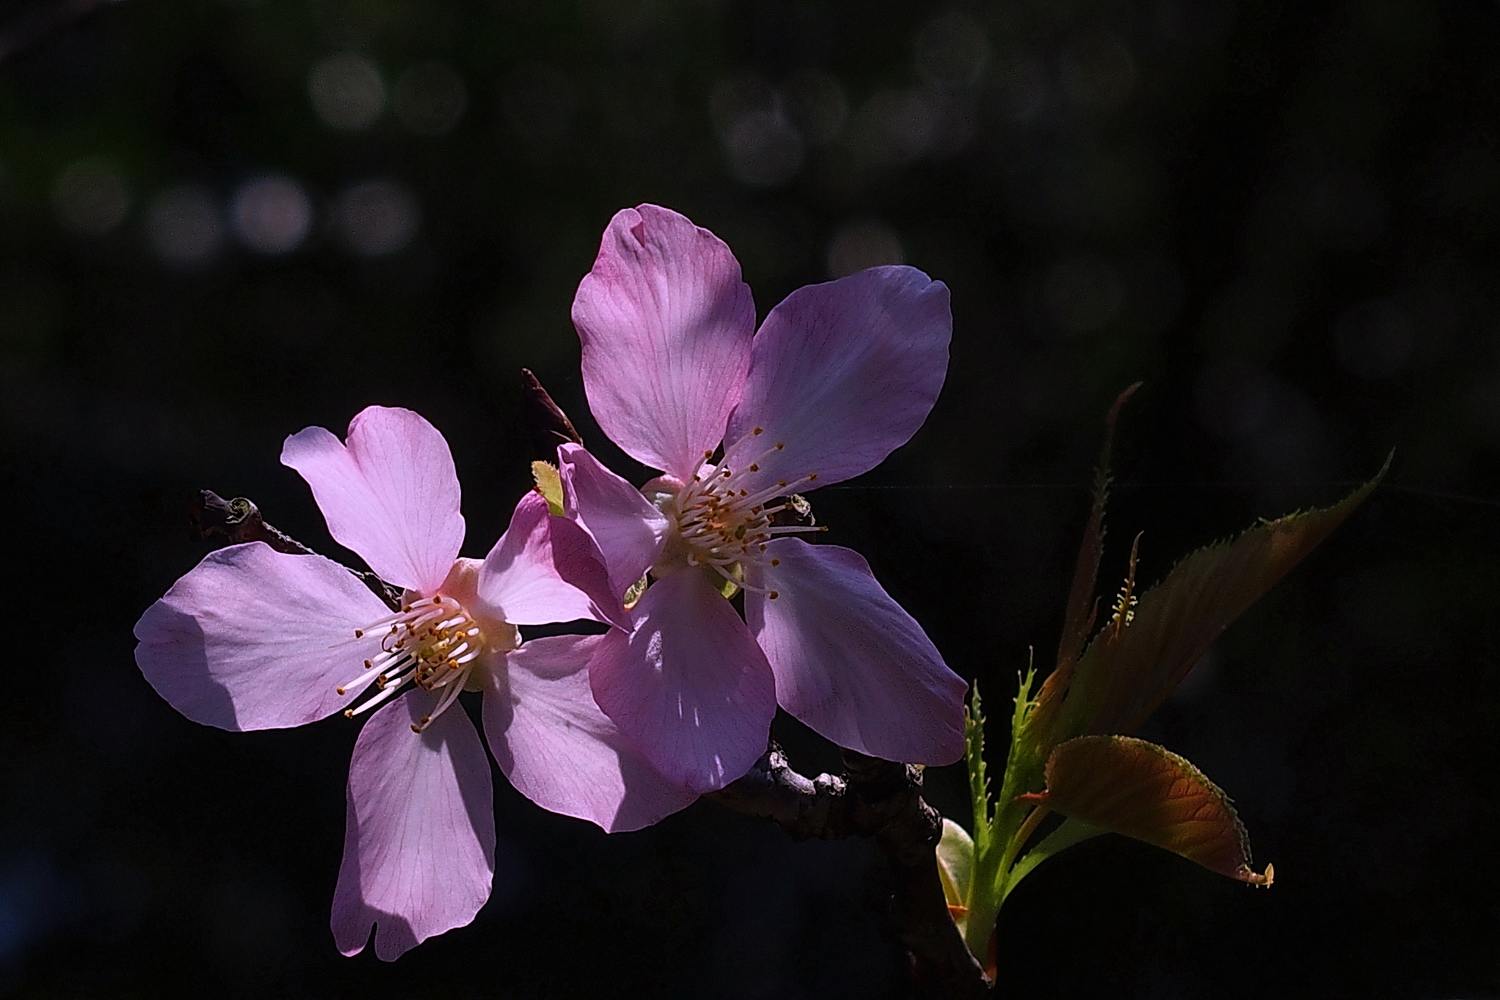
419	837
629	531
559	750
251	638
390	495
689	686
850	662
545	569
666	324
843	374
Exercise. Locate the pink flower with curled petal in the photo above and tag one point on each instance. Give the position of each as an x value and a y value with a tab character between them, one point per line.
257	639
837	377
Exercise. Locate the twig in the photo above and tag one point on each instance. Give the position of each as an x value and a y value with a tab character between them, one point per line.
807	808
879	799
237	521
549	425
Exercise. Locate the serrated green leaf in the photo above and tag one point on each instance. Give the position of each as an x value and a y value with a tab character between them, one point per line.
1144	791
979	784
1023	764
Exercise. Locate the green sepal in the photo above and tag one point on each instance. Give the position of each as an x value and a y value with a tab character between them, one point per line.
955	857
549	485
727	587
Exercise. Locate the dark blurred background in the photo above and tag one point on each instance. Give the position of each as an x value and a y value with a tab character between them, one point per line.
225	220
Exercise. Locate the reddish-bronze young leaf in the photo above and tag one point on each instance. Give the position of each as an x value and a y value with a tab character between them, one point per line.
1141	790
1082	604
1081	600
1127	672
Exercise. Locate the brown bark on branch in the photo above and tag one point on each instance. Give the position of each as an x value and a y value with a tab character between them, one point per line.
880	799
237	521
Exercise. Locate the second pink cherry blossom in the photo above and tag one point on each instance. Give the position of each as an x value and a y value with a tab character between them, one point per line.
838	376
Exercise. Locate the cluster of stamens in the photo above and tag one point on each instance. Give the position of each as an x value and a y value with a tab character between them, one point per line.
724	524
431	643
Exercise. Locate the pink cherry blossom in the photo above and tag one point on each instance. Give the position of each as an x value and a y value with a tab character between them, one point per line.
837	377
257	639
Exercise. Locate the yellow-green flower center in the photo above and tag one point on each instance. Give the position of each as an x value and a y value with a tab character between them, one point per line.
722	518
433	643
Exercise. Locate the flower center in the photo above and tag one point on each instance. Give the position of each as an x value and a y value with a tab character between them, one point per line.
724	522
432	643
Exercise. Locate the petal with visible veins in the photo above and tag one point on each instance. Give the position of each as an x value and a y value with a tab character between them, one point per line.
688	685
666	323
390	494
544	569
419	840
252	638
843	373
849	661
559	750
629	531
